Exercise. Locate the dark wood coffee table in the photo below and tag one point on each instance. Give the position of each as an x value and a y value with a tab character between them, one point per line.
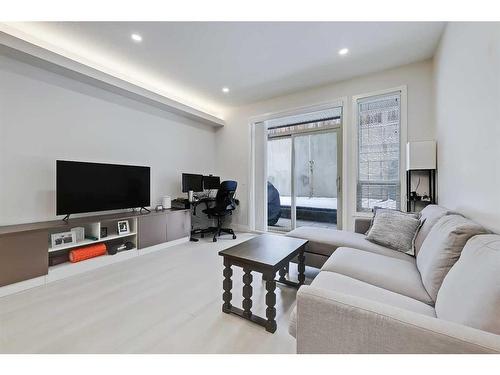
266	254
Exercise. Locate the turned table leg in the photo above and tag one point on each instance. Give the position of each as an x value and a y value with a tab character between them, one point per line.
247	292
282	272
270	302
301	266
227	285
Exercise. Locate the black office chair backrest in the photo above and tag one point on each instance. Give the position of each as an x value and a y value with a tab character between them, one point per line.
224	200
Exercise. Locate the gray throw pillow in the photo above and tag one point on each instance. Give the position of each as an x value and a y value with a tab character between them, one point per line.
416	215
394	229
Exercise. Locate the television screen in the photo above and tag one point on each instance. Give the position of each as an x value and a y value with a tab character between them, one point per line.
88	187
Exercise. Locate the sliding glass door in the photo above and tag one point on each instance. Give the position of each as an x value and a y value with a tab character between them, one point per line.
316	178
279	183
303	174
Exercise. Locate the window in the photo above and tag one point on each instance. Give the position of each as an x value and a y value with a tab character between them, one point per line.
379	146
307	122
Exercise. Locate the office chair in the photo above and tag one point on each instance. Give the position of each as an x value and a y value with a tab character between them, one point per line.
225	204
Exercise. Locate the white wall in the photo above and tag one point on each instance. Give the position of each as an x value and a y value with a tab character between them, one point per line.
45	116
467	90
233	141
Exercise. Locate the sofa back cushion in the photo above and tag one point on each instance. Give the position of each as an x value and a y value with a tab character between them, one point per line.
470	293
442	247
429	216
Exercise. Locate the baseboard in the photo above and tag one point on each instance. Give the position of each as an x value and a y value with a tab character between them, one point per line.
22	285
240	228
162	246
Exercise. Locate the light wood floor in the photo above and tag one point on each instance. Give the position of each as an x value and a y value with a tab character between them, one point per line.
165	302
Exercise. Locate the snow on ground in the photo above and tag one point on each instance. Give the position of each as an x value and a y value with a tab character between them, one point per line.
315	202
331	203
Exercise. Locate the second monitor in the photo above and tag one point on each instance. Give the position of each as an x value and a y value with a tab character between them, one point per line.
192	182
197	182
211	182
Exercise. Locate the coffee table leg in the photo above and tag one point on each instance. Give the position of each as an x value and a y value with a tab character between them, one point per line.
301	266
270	302
282	273
227	285
247	292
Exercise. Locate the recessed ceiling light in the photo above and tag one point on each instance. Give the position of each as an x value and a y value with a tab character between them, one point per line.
225	90
343	51
136	37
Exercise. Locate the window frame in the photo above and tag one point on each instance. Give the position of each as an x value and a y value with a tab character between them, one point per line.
402	148
253	121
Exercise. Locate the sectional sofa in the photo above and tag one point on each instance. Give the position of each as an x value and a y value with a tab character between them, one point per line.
368	298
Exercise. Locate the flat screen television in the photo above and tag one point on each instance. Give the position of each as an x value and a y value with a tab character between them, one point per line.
90	187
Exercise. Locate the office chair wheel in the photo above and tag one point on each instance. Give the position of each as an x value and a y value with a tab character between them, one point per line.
214	239
234	236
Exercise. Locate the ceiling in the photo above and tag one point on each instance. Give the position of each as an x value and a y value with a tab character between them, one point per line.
192	61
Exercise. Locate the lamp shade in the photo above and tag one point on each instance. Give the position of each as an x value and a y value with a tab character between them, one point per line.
421	155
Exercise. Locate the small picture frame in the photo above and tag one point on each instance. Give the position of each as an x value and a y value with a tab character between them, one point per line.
123	227
62	239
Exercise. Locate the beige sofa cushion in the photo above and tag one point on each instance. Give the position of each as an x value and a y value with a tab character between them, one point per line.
429	216
324	241
352	287
396	275
442	247
470	293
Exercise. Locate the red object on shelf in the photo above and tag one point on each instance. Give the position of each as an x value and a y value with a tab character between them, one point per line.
87	252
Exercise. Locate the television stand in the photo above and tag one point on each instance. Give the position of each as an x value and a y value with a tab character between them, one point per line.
66	218
145	209
26	249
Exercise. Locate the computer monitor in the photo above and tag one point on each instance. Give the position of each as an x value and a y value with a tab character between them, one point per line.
211	182
192	182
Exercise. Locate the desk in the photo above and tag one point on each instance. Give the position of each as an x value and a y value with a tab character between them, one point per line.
206	200
184	203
